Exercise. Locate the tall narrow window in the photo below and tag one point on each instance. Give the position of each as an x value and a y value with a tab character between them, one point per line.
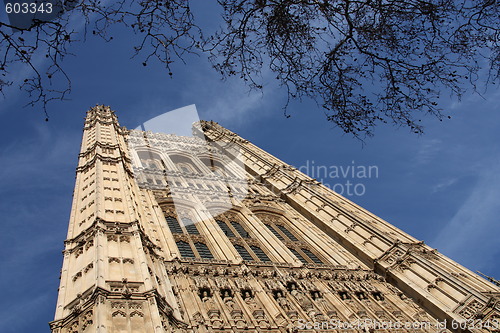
243	233
243	252
287	233
218	171
312	256
173	225
277	234
203	250
297	254
259	253
190	226
185	249
225	228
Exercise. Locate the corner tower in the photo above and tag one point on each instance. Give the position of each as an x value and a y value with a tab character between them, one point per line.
109	279
168	234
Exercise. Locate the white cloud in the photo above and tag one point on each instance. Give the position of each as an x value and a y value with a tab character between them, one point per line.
231	101
444	184
32	162
235	108
471	237
18	313
427	151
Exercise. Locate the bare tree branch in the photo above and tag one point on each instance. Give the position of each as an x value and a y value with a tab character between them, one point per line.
363	62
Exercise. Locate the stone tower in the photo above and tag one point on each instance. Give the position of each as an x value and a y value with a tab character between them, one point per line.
212	234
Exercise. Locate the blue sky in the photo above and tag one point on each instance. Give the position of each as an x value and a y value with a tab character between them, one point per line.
442	187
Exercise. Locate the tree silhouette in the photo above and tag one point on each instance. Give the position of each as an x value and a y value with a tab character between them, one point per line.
364	62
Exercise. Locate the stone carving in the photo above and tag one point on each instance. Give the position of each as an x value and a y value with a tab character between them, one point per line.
119	313
237	316
215	318
228	299
304	301
88	267
73	327
471	309
293	186
87	319
249	299
394	256
118	305
282	301
205	295
78	251
76	276
272	284
136	313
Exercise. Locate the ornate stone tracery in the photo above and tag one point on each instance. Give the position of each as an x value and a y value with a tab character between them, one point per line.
123	268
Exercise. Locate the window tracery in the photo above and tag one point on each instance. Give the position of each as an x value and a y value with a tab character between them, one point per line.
260	253
203	250
298	255
283	231
173	224
242	251
151	160
185	249
275	233
240	230
216	167
190	226
247	247
189	241
224	227
184	164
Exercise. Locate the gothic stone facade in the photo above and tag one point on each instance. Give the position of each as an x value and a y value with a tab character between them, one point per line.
286	254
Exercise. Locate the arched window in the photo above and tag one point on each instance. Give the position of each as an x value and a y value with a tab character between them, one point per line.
190	226
216	167
185	167
184	164
218	170
312	256
243	233
243	252
173	225
287	233
203	250
185	249
275	233
259	253
150	159
297	254
225	229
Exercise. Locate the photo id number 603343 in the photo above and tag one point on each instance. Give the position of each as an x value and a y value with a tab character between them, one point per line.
28	8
